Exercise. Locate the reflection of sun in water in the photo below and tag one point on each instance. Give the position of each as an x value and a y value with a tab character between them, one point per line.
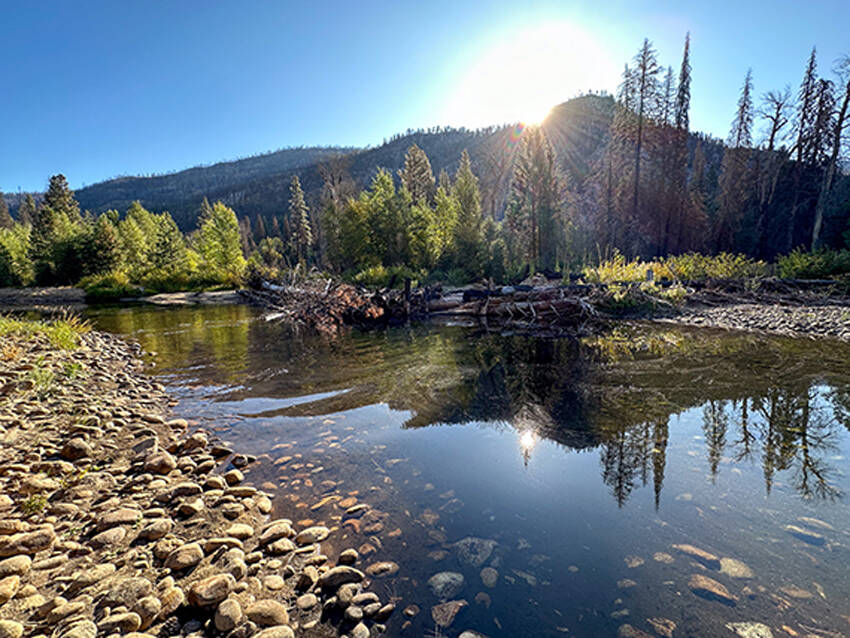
524	76
527	441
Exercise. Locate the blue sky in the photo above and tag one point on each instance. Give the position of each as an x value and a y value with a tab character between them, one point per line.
98	89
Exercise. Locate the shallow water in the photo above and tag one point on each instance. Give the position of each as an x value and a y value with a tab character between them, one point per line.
585	461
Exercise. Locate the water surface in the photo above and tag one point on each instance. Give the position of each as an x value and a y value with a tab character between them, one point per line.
584	461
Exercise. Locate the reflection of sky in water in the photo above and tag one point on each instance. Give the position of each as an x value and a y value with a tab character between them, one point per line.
585	468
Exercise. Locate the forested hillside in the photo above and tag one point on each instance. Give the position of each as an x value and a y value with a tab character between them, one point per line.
182	192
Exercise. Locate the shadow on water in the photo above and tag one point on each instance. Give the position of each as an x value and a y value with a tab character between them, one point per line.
747	433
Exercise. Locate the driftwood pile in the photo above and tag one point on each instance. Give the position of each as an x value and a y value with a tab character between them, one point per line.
326	305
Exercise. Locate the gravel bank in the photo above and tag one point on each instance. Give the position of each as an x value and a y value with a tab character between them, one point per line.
815	321
117	520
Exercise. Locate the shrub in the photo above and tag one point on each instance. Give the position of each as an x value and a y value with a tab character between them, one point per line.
109	287
820	264
380	276
694	266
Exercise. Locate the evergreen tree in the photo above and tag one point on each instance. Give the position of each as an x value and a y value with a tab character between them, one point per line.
102	250
27	211
536	203
6	220
469	248
417	176
60	198
645	91
806	108
840	122
168	254
219	241
735	176
300	216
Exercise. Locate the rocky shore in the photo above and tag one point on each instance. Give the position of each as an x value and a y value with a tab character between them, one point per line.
117	520
804	320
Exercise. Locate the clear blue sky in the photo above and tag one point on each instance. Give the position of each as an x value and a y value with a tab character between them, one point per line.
98	89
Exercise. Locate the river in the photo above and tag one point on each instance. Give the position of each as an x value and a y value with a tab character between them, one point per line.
556	476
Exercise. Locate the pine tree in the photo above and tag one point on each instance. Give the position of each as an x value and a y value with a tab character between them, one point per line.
167	254
536	203
734	176
102	251
806	101
683	90
645	80
469	248
840	122
60	198
219	241
27	211
417	176
6	220
300	216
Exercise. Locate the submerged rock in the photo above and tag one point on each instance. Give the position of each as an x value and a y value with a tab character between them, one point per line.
700	555
444	614
662	626
474	551
489	577
710	589
807	536
446	584
750	629
735	568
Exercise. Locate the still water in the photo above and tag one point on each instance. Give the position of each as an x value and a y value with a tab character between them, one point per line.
575	465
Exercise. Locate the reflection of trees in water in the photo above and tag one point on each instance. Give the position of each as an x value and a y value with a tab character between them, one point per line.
758	396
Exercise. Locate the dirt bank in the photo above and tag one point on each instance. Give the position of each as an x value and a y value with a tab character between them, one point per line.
116	518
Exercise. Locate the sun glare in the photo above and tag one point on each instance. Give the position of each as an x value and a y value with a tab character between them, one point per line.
522	78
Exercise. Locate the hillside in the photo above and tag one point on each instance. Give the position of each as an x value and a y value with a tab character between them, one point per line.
184	190
260	185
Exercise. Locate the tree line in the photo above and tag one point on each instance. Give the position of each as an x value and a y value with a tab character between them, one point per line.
54	243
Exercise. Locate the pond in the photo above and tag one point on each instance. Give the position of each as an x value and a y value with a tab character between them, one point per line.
651	477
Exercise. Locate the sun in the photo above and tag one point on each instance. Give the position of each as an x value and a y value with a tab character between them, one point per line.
523	77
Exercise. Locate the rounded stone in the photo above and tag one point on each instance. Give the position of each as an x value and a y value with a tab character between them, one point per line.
267	613
228	615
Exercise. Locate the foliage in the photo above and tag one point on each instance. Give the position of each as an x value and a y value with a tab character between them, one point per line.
820	264
687	267
381	276
695	266
219	244
63	332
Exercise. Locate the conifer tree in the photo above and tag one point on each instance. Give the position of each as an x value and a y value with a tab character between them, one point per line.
734	176
417	176
6	220
300	216
806	104
27	211
469	247
60	198
840	123
219	241
536	202
645	90
101	251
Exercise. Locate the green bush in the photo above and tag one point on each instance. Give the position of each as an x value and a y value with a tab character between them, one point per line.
109	287
380	276
821	264
695	266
